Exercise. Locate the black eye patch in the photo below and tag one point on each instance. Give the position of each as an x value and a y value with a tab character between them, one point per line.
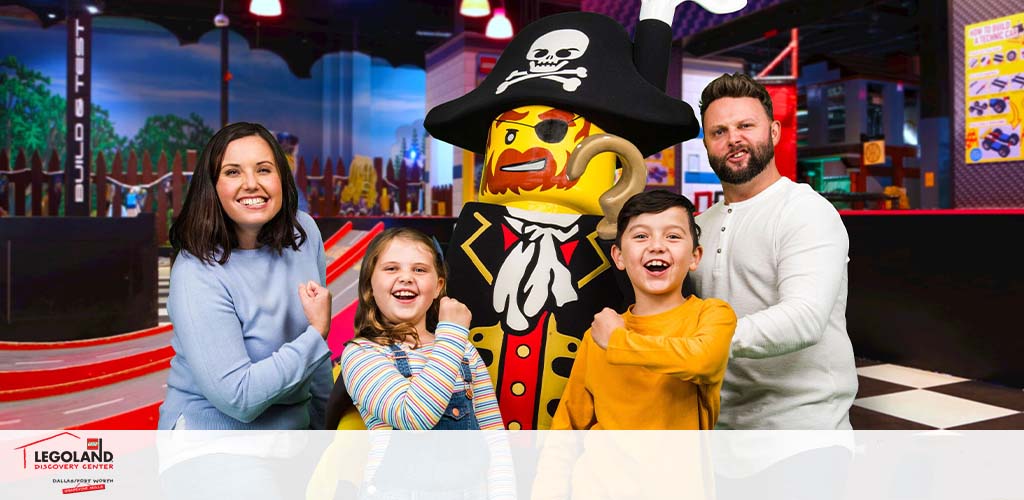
551	131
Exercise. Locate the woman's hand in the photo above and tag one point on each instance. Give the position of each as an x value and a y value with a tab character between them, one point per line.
453	311
316	303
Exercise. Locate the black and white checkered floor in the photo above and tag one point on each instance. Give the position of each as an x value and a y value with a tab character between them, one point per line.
893	397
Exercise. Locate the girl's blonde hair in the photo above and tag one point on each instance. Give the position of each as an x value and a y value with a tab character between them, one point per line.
370	322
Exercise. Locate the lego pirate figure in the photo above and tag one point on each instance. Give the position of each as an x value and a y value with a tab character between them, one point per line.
527	258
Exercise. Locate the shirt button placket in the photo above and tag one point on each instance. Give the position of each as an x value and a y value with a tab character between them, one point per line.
719	250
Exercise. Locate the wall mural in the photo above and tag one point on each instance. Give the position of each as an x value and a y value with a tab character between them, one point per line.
152	94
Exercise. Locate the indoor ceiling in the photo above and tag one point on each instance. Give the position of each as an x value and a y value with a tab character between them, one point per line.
402	31
398	31
872	33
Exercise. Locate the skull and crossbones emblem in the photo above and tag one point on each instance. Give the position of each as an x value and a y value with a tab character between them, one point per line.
547	58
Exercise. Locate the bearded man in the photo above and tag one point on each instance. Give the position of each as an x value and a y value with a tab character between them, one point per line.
777	252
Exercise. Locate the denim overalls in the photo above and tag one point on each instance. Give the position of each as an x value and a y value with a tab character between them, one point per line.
459	414
456	472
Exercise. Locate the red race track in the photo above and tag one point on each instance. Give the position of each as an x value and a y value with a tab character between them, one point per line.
118	382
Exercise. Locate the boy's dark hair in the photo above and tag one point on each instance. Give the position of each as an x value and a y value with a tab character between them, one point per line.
204	230
655	202
735	85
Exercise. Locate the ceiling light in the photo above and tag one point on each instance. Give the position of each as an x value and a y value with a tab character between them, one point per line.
221	20
475	8
265	8
499	27
92	9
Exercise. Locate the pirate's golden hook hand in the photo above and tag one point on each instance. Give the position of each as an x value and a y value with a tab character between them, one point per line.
632	180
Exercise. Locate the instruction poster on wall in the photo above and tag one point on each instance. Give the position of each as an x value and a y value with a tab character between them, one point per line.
994	95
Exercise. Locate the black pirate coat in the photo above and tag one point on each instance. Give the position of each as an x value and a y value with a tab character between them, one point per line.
533	282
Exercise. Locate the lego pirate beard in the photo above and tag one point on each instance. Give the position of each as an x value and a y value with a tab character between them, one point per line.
509	169
544	175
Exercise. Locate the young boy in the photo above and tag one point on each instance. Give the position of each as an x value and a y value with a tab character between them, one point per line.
661	364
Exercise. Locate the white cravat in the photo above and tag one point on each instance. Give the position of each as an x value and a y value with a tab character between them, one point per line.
549	276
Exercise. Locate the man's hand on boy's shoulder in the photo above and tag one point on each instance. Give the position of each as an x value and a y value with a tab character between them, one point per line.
605	322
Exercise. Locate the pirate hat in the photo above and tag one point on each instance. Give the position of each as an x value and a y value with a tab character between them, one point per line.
580	62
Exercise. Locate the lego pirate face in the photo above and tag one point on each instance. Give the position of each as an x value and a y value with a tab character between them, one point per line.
527	149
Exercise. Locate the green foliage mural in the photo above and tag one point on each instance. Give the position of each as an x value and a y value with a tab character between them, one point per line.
411	146
171	133
32	118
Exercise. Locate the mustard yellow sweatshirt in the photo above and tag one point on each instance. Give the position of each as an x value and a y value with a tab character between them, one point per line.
662	371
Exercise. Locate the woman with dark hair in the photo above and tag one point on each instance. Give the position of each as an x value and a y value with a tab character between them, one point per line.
247	300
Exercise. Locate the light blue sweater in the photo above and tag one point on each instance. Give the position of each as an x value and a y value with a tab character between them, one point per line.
245	354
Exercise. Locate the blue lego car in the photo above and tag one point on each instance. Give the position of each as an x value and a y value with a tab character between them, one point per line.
999	142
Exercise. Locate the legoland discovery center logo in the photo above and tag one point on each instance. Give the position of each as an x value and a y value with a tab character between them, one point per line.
60	452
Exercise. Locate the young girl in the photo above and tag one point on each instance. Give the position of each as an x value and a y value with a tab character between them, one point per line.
400	373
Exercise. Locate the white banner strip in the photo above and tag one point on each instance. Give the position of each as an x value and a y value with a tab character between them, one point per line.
760	465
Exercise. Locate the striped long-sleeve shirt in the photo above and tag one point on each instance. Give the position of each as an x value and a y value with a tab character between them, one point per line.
388	400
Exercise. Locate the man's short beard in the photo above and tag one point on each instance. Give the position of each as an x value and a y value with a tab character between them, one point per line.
759	157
